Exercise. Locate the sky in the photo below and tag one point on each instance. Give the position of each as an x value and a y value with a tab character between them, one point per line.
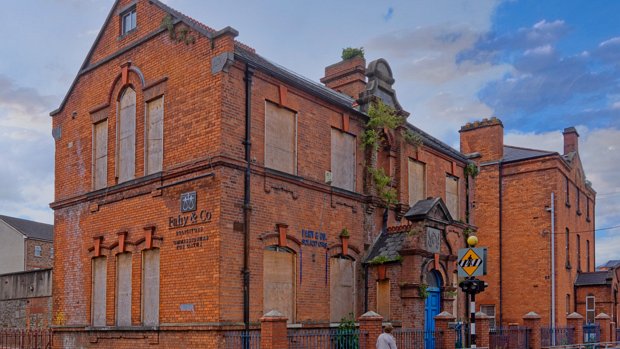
539	66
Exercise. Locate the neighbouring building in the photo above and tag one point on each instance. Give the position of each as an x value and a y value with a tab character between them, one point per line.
25	245
199	186
535	213
597	292
26	299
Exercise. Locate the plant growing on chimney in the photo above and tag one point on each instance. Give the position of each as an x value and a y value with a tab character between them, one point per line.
182	35
350	52
471	170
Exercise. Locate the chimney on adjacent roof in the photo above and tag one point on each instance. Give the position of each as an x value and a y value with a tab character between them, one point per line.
571	140
484	137
347	76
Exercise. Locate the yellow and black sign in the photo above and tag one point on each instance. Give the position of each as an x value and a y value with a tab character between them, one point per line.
472	262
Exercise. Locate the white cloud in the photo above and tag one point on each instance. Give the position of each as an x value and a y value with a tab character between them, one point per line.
601	158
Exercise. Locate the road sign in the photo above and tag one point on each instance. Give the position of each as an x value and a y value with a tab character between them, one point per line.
472	261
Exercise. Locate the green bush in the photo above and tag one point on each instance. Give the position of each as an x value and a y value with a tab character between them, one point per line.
350	52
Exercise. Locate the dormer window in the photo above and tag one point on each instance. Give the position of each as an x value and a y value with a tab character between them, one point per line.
128	21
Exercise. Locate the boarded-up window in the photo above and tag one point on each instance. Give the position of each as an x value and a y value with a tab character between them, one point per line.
383	298
150	287
280	139
452	196
155	135
100	154
127	136
343	160
417	182
279	282
342	292
99	291
123	289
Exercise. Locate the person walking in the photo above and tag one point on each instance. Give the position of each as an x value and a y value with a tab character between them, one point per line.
386	340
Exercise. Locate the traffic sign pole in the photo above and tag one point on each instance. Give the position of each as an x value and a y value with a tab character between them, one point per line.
472	319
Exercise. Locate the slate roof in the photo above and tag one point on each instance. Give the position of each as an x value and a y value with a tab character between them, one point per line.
612	264
387	245
31	229
512	153
249	55
594	278
423	207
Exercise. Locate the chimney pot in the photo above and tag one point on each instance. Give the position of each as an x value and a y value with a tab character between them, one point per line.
571	140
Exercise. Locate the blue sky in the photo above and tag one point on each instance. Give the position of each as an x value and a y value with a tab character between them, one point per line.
539	66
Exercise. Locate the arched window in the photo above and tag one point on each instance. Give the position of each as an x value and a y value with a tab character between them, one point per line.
126	152
341	287
279	281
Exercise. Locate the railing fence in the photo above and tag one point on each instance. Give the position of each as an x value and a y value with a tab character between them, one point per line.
326	338
408	338
512	337
12	338
550	336
242	339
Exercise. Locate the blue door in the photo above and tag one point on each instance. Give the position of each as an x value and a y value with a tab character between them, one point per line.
432	307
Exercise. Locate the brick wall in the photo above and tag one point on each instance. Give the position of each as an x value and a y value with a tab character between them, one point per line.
45	261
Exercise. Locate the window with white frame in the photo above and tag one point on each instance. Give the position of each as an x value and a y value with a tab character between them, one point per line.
128	21
37	251
590	309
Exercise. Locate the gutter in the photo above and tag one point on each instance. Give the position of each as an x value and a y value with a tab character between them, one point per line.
247	208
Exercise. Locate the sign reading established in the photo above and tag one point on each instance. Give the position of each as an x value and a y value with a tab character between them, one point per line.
472	262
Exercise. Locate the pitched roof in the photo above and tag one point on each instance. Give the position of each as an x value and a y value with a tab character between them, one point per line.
387	245
512	153
611	264
249	55
422	208
594	278
31	229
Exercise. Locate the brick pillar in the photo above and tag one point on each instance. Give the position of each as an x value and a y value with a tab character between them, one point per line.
371	323
273	331
575	320
603	320
612	327
531	320
448	336
482	330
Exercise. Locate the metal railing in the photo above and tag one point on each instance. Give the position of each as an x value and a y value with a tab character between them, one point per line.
15	338
591	333
326	338
512	337
242	339
409	338
557	336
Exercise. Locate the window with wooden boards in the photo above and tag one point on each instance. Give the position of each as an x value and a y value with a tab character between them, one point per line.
100	155
127	136
123	289
280	138
343	147
452	196
98	296
155	135
279	281
150	287
341	287
416	181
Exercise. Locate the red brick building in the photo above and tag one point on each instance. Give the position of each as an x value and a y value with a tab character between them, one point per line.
535	213
597	292
199	186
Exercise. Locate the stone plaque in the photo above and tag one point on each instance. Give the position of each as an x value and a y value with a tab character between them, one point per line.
433	240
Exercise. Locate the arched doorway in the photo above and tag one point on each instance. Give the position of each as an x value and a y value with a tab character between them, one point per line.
432	306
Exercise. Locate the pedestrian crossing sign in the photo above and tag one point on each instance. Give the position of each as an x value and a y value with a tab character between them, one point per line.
472	261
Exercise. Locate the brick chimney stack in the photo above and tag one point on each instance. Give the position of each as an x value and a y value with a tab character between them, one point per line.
484	137
571	140
348	76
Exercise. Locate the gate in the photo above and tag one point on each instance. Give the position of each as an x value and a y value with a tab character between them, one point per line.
591	333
